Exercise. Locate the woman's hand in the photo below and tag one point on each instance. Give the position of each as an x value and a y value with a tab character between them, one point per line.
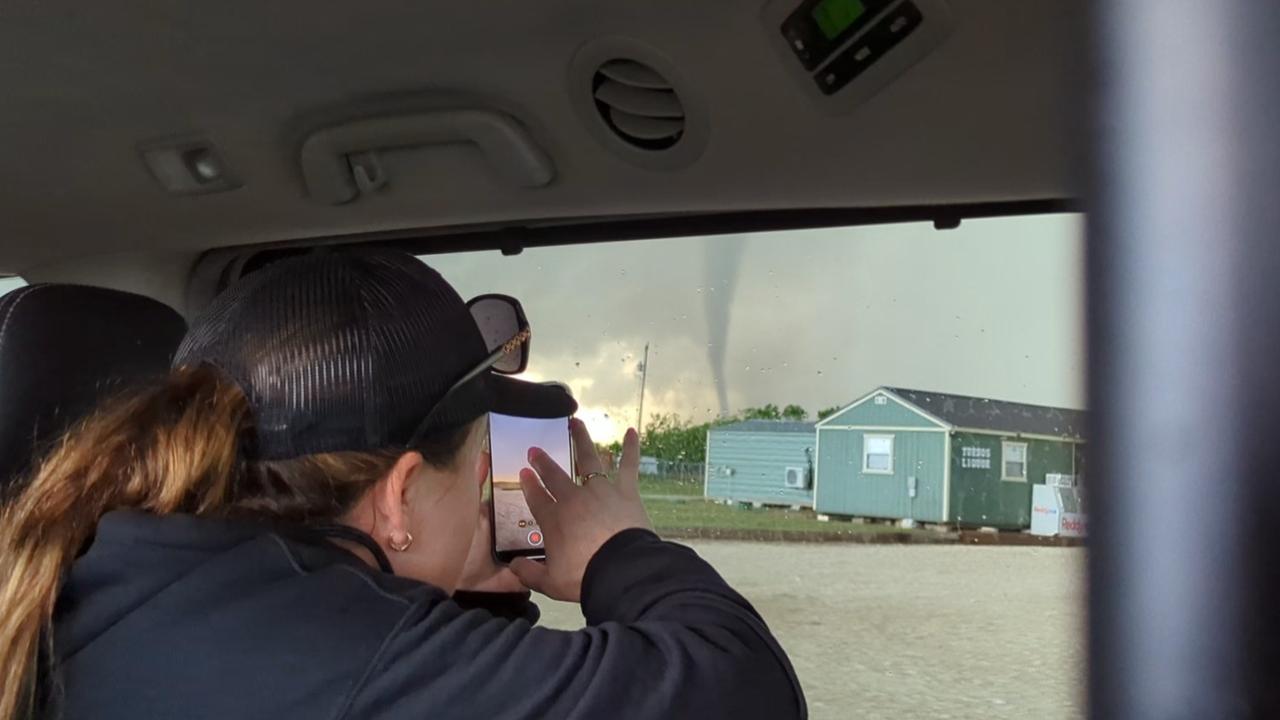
481	572
577	519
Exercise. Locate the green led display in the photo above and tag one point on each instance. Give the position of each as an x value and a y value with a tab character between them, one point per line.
833	16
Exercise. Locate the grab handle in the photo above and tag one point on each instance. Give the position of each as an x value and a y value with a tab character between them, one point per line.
327	155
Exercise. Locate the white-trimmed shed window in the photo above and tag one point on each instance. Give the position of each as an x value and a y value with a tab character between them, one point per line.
1013	458
877	454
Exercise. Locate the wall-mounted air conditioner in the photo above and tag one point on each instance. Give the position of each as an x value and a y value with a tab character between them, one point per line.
796	478
1059	480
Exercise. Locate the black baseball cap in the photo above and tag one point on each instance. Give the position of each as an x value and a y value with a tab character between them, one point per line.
355	350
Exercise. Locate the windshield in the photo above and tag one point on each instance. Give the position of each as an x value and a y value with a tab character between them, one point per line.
860	428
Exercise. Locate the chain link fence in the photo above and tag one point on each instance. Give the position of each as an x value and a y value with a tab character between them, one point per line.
672	469
676	470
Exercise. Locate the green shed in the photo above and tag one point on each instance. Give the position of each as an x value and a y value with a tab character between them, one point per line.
764	461
942	458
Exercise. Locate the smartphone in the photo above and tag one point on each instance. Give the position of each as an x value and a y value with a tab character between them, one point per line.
515	531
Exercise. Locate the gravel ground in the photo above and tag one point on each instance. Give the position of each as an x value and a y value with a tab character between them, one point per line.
509	510
915	631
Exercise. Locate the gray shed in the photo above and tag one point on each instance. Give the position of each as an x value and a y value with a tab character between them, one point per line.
765	461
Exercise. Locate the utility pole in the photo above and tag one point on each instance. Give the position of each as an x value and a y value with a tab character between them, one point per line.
644	375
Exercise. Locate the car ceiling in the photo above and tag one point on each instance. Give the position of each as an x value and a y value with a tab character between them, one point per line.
988	116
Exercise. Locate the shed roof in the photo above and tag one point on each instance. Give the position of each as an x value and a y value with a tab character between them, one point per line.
963	411
778	426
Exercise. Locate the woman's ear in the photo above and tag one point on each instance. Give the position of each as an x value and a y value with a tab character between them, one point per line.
391	503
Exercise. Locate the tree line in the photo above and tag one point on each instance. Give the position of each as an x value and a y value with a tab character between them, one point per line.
670	437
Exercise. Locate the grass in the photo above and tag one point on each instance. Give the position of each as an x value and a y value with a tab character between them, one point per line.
676	503
686	514
663	485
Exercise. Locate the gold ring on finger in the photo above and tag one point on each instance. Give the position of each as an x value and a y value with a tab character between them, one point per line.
592	476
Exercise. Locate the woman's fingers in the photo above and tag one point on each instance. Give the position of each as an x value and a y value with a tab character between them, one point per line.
482	468
629	467
553	476
482	525
586	457
535	495
532	574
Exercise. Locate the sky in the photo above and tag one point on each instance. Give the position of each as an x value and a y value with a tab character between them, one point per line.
818	318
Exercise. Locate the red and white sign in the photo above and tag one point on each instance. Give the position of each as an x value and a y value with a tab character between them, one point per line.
1073	525
1049	514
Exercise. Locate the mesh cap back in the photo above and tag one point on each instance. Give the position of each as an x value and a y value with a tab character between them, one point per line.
342	351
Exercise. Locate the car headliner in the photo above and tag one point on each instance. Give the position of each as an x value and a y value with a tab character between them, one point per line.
988	117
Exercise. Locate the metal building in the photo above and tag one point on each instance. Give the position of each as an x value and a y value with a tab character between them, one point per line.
764	461
942	458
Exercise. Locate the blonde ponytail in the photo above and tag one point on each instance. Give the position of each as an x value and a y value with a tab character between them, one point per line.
169	448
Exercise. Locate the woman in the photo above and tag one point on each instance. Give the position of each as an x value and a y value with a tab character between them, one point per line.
291	525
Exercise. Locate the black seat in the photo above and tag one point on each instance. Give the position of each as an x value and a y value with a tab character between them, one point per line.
62	349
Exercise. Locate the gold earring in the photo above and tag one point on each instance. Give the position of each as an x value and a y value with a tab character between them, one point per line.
403	544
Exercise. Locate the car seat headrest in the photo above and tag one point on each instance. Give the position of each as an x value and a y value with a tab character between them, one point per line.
65	347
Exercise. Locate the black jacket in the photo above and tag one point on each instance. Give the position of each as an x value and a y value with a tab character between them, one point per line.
182	617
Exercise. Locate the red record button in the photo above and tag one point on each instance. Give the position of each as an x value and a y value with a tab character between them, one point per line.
535	538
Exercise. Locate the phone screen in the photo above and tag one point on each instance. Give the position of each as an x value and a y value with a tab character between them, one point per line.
515	531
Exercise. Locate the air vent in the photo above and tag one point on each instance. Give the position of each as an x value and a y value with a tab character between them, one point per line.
638	104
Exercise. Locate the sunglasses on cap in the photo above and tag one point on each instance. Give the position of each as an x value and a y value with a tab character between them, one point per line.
505	329
506	334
